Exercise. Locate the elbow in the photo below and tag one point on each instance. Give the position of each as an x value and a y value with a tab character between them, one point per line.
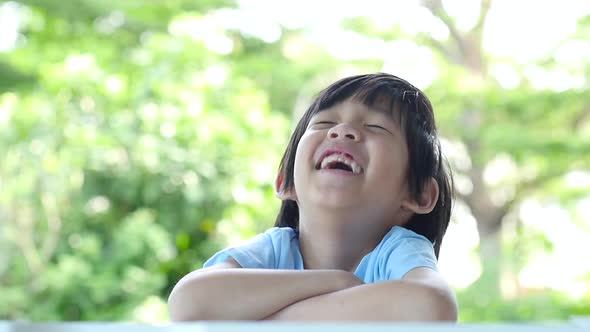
442	305
179	309
185	303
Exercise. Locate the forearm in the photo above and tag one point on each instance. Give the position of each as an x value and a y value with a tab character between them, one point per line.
390	300
248	294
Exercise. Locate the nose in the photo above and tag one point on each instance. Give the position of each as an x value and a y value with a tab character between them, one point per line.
344	131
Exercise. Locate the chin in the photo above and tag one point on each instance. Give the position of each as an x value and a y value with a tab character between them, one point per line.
337	200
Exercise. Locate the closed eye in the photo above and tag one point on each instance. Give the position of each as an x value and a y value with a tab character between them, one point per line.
378	127
323	124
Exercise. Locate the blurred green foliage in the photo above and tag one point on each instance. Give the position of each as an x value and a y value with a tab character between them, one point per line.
478	305
122	157
134	147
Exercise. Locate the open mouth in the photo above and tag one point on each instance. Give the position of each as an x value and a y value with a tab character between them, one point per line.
339	161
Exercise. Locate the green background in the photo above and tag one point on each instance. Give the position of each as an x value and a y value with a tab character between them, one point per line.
135	144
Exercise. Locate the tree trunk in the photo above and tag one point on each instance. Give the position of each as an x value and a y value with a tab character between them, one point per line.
467	48
489	218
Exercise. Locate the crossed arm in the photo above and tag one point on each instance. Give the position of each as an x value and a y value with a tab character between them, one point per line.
228	292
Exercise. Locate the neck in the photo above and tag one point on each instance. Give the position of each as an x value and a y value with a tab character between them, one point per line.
337	241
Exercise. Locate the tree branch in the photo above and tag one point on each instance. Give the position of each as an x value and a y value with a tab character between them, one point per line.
483	15
581	118
24	238
53	225
436	8
444	50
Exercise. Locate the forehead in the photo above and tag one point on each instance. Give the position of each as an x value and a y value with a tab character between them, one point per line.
382	105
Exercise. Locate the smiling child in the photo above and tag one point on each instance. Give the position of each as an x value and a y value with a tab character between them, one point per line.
366	200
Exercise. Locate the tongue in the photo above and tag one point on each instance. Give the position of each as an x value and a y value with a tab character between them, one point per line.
339	165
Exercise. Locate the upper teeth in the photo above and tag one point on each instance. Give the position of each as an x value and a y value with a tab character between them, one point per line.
336	157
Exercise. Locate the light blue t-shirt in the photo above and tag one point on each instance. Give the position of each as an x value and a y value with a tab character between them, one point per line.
400	251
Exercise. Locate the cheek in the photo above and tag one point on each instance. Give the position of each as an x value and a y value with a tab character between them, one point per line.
302	154
392	163
306	146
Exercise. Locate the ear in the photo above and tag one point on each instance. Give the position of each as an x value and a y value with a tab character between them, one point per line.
427	200
282	193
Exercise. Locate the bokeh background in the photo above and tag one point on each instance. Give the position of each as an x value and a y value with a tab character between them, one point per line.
139	137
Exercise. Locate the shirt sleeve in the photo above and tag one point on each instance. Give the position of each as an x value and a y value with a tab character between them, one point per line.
269	250
409	252
256	253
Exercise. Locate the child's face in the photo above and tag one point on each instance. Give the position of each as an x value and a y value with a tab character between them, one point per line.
352	155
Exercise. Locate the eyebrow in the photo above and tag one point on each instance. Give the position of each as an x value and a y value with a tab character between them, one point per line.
393	113
376	109
373	108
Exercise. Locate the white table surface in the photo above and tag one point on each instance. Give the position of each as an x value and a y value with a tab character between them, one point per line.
575	325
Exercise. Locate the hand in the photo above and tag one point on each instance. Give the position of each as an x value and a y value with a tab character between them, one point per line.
345	279
351	280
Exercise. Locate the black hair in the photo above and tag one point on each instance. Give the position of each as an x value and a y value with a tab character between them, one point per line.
417	121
